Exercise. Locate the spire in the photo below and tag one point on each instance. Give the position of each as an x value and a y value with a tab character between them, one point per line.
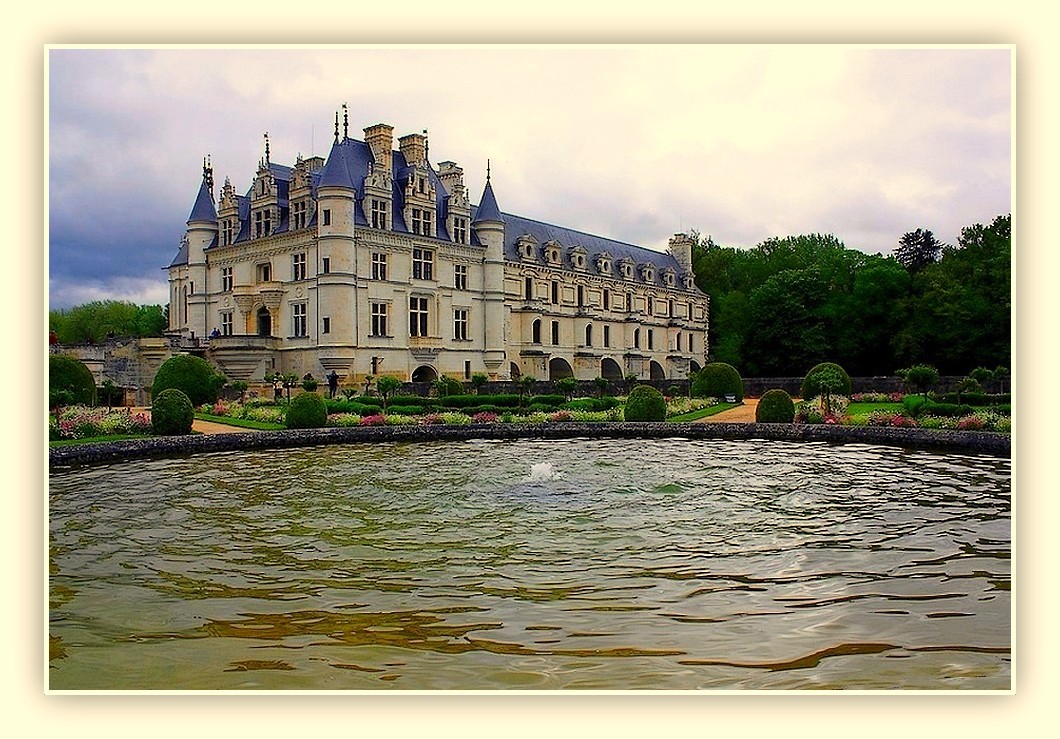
207	174
426	147
487	207
345	122
204	209
336	126
267	149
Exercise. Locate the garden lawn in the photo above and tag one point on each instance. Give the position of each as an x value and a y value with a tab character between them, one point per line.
94	439
702	412
243	423
864	410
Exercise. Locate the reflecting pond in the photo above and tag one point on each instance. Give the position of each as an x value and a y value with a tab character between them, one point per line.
546	565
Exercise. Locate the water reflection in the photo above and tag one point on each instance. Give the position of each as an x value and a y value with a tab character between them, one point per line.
589	564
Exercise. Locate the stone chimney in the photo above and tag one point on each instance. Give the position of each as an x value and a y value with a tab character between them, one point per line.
452	177
380	139
414	148
681	249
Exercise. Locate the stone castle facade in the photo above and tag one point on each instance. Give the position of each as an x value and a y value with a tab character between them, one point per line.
374	262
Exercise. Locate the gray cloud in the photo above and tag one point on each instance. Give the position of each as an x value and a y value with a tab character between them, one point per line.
633	143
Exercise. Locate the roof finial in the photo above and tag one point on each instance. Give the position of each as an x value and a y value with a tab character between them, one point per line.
266	148
345	122
487	171
207	174
426	147
336	126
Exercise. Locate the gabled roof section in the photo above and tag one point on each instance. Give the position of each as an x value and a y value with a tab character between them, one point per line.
204	209
182	255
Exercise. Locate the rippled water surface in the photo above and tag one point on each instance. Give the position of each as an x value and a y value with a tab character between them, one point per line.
608	564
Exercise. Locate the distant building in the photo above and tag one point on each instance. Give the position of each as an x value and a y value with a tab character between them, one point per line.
374	261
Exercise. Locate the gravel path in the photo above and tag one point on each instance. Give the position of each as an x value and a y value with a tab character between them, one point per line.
740	414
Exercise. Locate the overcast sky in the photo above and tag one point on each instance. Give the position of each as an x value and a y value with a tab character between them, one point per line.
630	142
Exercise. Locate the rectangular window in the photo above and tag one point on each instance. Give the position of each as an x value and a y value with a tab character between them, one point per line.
417	316
460	323
226	279
298	214
690	337
651	307
651	339
555	333
467	369
528	288
378	213
378	266
298	266
607	299
555	292
460	280
258	223
423	264
325	325
460	230
421	221
228	232
607	336
326	266
298	322
379	319
670	309
690	311
226	323
265	272
326	216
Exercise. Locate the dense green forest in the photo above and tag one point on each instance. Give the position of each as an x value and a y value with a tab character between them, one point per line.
96	321
783	306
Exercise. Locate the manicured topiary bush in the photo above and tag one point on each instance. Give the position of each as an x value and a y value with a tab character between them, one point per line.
825	378
171	413
192	375
307	411
716	380
70	382
775	406
645	403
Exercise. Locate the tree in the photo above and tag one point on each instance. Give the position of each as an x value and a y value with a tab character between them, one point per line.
387	386
99	320
193	376
921	376
602	384
479	379
917	249
524	383
567	386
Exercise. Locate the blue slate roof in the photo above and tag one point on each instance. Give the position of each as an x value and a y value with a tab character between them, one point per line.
567	238
203	210
487	209
347	166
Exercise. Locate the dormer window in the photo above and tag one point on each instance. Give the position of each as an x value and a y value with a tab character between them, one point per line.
626	268
688	279
647	273
669	277
552	252
578	258
379	219
527	247
603	263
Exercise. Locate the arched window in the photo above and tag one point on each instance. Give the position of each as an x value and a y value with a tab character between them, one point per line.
589	335
678	341
536	332
636	338
651	339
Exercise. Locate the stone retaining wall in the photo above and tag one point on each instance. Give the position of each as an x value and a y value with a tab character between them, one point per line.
965	442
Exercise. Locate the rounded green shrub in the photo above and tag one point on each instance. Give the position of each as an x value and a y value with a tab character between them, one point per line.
70	382
171	413
826	375
307	411
716	380
192	375
645	403
775	406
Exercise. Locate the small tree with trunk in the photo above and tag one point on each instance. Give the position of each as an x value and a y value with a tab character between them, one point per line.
387	386
567	386
478	380
921	376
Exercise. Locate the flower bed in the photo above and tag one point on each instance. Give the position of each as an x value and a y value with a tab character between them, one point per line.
82	422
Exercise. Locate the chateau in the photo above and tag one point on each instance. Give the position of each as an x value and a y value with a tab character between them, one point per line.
374	262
